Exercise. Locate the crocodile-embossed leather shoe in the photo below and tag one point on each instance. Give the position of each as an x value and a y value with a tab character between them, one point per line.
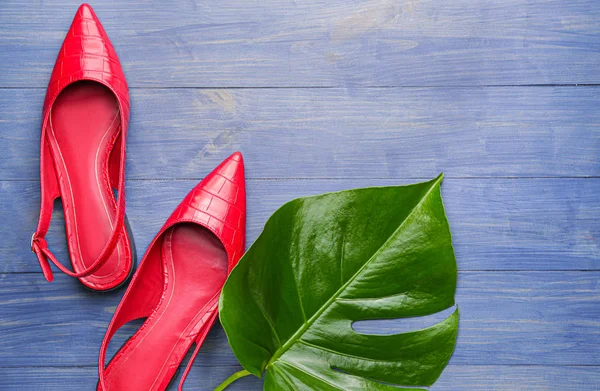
82	158
178	283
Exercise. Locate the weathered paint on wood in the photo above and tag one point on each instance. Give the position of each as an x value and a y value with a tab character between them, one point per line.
497	224
492	118
454	377
171	43
339	133
507	318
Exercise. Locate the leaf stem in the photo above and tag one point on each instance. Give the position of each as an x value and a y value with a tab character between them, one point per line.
231	379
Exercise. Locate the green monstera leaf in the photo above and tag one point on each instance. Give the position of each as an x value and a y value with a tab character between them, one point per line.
325	262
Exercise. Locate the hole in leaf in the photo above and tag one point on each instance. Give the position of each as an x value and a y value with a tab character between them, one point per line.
400	325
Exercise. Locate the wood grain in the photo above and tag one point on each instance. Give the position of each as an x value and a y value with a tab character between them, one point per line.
507	318
501	95
318	43
454	377
497	224
339	133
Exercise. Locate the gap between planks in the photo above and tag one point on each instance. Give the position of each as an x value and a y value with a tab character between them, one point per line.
239	366
441	86
347	178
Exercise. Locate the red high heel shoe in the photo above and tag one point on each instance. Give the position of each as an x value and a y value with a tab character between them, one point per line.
178	283
82	158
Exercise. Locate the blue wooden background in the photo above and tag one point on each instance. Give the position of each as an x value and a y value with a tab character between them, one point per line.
501	95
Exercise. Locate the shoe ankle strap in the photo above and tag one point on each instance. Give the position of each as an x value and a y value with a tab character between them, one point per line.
39	246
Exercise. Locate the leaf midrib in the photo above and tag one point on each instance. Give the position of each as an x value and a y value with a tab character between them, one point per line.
327	304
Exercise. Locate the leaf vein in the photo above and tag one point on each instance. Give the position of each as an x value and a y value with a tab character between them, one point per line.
309	344
299	297
285	378
342	255
346	354
313	318
270	324
311	375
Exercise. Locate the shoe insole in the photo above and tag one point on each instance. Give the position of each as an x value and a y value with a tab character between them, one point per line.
84	124
195	264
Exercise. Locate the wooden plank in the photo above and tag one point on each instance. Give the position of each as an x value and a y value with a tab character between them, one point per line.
339	133
497	224
454	377
511	378
324	43
507	318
